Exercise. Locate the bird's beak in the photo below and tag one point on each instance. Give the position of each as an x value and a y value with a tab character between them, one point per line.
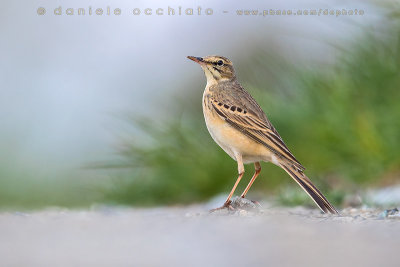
196	59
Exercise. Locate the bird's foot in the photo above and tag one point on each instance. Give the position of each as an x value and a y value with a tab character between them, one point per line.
255	202
227	205
239	204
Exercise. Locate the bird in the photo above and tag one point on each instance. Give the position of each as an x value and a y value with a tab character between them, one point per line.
240	127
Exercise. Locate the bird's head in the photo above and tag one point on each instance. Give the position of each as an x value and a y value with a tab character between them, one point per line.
216	68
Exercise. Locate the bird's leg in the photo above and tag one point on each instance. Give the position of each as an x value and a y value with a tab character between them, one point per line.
241	172
257	167
228	201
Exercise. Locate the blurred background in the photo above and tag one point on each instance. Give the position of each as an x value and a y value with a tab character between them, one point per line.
106	109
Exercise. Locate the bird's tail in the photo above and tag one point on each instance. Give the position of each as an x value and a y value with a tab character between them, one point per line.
309	188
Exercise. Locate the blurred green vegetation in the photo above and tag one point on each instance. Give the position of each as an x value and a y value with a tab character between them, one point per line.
26	190
32	184
340	120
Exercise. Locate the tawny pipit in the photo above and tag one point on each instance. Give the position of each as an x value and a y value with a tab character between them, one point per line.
239	126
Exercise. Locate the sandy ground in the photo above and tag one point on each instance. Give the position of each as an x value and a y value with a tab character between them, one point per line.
190	236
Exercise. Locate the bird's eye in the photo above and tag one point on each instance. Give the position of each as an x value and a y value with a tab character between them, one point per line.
220	63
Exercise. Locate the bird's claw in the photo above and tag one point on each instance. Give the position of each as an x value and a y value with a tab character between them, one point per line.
227	205
256	203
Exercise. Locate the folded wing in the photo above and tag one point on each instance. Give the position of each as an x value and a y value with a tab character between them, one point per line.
257	128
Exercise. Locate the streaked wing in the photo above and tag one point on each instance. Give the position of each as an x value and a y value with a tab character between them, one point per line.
255	127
